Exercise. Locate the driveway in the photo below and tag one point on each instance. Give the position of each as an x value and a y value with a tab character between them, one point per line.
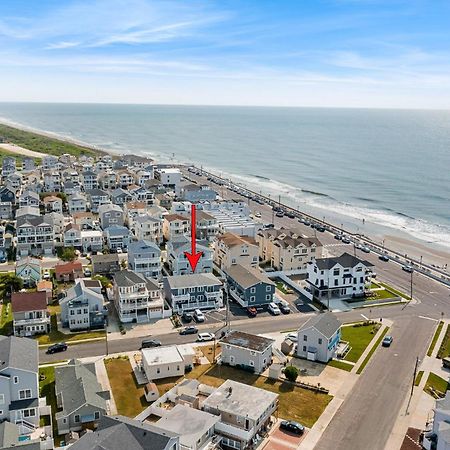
283	440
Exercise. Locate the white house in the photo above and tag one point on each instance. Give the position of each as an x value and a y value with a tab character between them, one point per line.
145	257
148	228
91	240
175	225
178	262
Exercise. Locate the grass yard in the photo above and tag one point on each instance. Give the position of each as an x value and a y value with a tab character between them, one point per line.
281	286
381	295
372	351
394	291
128	395
208	351
418	378
47	389
6	319
358	337
435	338
444	349
56	336
340	365
436	386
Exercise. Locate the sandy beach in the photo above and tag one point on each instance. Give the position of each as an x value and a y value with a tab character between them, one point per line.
21	151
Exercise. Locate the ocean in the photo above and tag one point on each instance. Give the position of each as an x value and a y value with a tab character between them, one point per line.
376	171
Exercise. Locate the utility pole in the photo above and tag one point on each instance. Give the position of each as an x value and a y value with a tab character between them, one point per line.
411	290
413	382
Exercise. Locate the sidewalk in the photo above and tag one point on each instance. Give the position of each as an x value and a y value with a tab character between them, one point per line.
319	427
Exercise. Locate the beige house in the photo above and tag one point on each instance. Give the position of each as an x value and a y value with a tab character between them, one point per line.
288	249
175	225
231	249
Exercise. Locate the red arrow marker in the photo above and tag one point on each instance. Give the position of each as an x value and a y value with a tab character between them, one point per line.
193	257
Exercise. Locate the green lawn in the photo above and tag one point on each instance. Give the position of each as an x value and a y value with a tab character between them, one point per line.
56	336
128	395
394	291
436	386
435	338
444	349
6	318
280	286
43	144
341	365
47	389
358	337
372	351
418	378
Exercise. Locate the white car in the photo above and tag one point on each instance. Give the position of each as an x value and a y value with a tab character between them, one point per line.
205	337
46	275
292	337
257	214
273	308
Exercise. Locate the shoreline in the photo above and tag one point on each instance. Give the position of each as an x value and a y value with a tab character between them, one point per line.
399	240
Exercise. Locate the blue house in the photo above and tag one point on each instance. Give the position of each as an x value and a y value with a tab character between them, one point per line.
29	269
249	286
117	237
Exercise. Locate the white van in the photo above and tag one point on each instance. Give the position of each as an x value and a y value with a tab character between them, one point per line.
273	308
199	316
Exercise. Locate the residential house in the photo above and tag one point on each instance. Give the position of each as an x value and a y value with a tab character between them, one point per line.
105	264
28	164
53	204
82	308
29	269
49	162
119	433
170	178
85	220
7	195
249	286
164	200
19	386
56	220
30	315
52	181
14	181
72	236
27	212
8	166
132	209
6	211
29	198
247	351
196	291
71	188
124	178
35	237
141	176
96	198
175	225
319	337
109	215
143	194
245	413
167	361
288	249
231	249
343	276
195	427
195	193
68	271
178	262
148	228
120	196
144	257
77	203
117	237
47	287
206	226
79	396
91	240
137	299
89	180
438	438
107	180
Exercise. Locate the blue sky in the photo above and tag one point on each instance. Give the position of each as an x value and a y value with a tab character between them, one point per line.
368	53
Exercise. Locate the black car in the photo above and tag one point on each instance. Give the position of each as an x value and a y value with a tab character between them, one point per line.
384	258
290	214
187	317
56	348
149	343
320	228
189	330
293	427
284	308
387	341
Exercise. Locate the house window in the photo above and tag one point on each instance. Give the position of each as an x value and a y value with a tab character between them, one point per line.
305	338
96	415
268	288
16	380
336	272
158	370
320	341
252	298
268	297
304	348
77	418
252	290
252	364
24	393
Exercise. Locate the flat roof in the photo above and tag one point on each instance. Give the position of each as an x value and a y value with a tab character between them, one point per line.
247	340
162	355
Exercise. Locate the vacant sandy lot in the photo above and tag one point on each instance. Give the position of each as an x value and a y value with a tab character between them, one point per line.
21	151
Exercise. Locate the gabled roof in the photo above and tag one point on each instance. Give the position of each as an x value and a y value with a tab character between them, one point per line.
247	276
117	230
345	260
233	240
69	267
128	278
325	323
28	301
192	280
29	261
143	246
18	353
173	217
96	193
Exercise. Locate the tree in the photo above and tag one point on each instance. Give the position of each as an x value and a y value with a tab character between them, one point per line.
10	283
106	283
67	254
291	373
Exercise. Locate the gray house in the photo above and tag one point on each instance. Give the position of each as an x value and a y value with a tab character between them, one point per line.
119	433
109	215
117	236
19	387
145	257
80	397
82	308
249	286
319	337
246	350
105	264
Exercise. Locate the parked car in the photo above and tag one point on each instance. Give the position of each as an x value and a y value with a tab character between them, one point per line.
338	237
365	249
56	348
205	337
279	214
387	341
408	269
87	272
189	330
292	337
273	308
149	343
46	275
251	311
290	214
284	307
257	214
320	228
187	317
199	316
293	427
384	257
346	240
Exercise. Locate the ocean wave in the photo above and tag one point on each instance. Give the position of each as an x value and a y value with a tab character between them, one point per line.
319	194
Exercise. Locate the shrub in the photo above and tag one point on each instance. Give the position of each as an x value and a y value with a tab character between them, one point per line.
291	373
